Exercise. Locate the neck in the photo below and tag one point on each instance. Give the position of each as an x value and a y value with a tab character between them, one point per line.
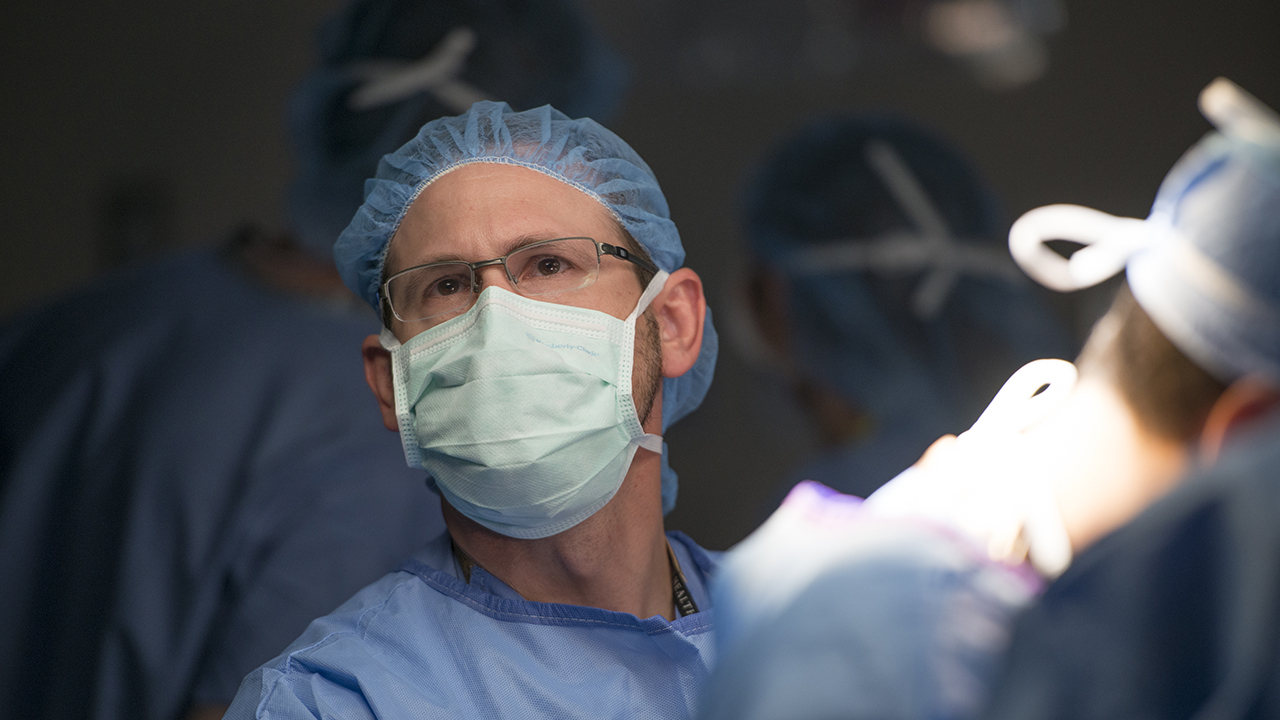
1103	466
616	559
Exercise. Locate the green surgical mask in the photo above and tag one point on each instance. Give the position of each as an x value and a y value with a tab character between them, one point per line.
522	410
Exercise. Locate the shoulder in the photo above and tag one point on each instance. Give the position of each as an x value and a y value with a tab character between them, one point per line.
326	666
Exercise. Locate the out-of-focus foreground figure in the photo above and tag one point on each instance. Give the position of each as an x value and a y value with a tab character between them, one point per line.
191	467
901	606
1175	614
882	292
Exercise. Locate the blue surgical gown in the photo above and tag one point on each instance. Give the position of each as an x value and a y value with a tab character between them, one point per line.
191	470
422	643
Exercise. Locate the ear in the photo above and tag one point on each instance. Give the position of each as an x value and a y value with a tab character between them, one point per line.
1244	401
377	372
681	311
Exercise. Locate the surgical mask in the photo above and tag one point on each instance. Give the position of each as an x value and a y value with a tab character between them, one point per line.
522	410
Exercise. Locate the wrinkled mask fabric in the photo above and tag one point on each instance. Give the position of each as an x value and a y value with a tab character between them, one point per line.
522	410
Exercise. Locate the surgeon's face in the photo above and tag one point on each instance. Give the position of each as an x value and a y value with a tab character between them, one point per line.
486	210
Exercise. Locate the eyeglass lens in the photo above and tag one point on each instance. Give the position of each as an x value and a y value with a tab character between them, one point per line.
543	268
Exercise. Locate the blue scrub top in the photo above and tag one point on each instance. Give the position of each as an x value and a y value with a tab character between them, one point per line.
192	468
421	643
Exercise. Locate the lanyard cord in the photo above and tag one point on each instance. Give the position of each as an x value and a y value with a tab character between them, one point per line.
679	586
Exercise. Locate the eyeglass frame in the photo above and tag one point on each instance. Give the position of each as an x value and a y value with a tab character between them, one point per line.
602	249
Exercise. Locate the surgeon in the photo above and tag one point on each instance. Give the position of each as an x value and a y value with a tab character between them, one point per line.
191	469
539	336
1174	614
906	610
882	294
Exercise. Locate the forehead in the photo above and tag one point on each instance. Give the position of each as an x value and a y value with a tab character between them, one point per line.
485	210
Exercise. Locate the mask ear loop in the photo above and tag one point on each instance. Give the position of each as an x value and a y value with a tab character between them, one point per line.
399	367
656	285
1109	243
388	339
648	441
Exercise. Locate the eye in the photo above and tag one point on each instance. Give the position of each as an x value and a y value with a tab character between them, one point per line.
553	266
442	281
447	286
549	265
544	266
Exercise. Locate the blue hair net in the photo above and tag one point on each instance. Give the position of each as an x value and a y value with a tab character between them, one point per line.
582	154
900	287
525	52
1205	264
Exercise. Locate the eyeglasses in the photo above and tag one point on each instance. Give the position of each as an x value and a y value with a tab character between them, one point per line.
548	267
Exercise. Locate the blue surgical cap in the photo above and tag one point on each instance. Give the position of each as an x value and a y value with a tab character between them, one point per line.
900	287
525	52
582	154
1205	264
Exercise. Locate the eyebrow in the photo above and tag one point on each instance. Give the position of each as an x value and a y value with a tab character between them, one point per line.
507	248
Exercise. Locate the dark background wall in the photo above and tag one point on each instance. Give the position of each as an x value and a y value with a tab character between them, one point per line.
170	114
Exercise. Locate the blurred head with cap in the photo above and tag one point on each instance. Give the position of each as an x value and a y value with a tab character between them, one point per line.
882	290
388	66
1190	351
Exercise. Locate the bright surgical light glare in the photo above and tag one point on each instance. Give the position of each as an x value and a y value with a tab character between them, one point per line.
1002	48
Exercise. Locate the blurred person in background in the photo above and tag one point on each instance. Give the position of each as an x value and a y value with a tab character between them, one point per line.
901	606
191	469
540	335
882	291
